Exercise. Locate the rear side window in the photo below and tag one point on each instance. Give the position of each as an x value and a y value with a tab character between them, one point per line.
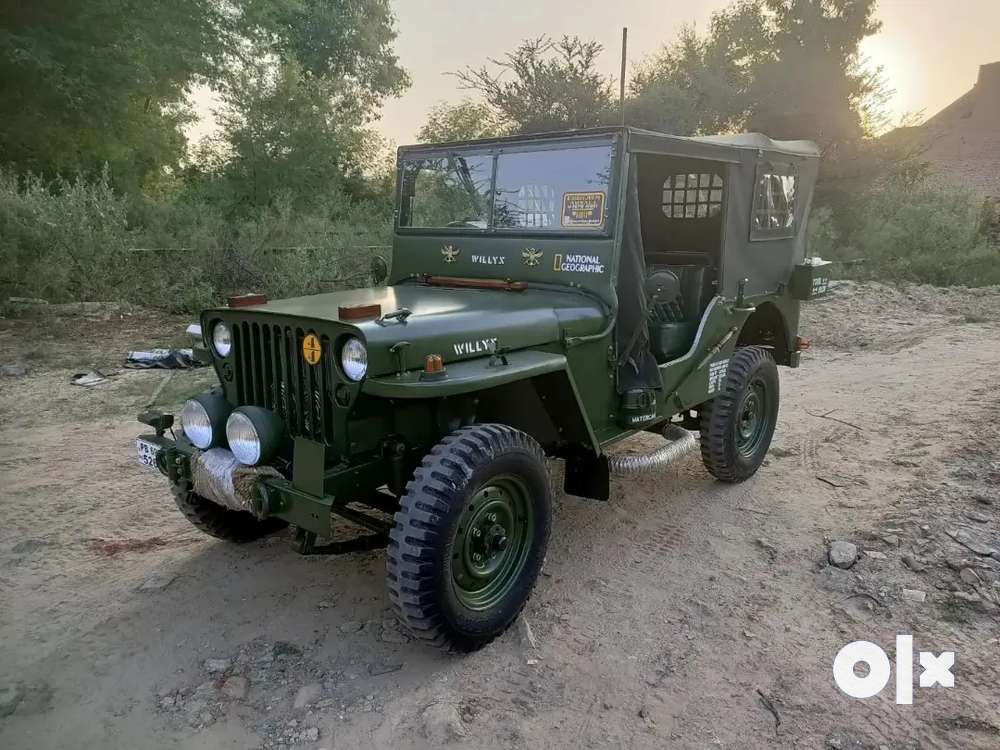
773	214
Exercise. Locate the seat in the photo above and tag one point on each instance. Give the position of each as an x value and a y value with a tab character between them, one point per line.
674	296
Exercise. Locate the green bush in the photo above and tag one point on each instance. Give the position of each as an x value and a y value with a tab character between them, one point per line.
922	232
62	241
78	240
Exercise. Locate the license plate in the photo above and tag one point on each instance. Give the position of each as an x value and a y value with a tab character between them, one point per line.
147	452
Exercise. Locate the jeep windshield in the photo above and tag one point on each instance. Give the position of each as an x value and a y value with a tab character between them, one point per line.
555	188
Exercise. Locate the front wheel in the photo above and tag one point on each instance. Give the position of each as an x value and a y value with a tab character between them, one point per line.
470	537
737	426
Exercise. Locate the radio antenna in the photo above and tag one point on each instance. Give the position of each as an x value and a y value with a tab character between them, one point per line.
621	96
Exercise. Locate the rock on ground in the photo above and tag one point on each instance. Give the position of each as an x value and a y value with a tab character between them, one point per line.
843	554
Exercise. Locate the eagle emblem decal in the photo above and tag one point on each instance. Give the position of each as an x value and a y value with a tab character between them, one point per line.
450	253
531	257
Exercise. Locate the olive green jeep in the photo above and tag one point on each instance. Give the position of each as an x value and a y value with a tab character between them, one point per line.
549	296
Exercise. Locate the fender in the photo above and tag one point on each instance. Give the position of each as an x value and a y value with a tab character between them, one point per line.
549	371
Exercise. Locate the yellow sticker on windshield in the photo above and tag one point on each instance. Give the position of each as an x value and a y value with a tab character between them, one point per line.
583	209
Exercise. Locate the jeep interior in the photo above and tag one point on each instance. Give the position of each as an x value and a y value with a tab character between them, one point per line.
681	204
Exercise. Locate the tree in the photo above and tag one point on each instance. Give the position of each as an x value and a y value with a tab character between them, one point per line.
788	68
103	81
287	132
349	41
298	92
701	85
544	85
464	121
810	82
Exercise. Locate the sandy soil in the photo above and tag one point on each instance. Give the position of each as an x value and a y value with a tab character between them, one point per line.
683	613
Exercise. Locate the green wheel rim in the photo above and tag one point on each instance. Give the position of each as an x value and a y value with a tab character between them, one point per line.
492	543
751	419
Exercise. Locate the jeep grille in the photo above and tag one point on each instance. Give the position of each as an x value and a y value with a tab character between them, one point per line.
271	373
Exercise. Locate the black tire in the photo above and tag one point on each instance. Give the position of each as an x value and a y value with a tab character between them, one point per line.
428	558
727	452
223	523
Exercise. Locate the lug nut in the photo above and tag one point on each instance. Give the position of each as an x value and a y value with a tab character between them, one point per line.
477	557
477	533
492	517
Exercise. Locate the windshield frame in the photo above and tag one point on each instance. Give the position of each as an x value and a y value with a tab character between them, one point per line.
612	140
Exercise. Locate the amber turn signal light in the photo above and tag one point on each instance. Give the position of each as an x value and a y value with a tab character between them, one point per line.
433	368
433	364
359	312
801	344
247	300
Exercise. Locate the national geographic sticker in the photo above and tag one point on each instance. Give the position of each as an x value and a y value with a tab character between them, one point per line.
583	209
312	350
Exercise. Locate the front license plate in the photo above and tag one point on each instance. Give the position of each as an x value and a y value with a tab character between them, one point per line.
147	452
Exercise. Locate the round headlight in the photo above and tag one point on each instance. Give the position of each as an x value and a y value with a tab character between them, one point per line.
354	359
244	441
222	340
197	424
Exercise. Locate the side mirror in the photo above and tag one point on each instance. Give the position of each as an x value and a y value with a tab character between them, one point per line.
379	270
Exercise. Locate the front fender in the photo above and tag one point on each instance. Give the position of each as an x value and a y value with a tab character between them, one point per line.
548	373
466	377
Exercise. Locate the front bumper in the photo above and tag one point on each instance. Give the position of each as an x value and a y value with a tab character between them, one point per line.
265	493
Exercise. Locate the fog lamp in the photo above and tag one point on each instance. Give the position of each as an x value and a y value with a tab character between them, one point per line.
203	420
254	434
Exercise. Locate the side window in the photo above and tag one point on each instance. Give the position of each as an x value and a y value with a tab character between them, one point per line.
692	196
773	214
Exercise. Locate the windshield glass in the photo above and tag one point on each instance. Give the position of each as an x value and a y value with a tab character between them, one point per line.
564	189
452	191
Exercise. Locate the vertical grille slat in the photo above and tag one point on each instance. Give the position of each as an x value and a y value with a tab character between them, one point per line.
325	389
276	405
255	349
246	358
286	366
300	417
240	377
254	364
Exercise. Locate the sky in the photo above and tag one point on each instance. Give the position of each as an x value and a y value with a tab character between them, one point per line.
930	49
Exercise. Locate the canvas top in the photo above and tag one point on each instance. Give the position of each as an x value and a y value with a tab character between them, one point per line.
647	139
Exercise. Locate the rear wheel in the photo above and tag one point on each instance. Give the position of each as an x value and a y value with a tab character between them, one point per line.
737	426
224	523
470	537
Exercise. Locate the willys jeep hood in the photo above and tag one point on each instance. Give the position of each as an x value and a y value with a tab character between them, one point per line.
457	324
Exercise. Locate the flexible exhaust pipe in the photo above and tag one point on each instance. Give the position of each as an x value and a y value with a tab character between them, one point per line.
681	442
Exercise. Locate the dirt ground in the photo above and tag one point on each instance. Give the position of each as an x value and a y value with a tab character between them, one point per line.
684	613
